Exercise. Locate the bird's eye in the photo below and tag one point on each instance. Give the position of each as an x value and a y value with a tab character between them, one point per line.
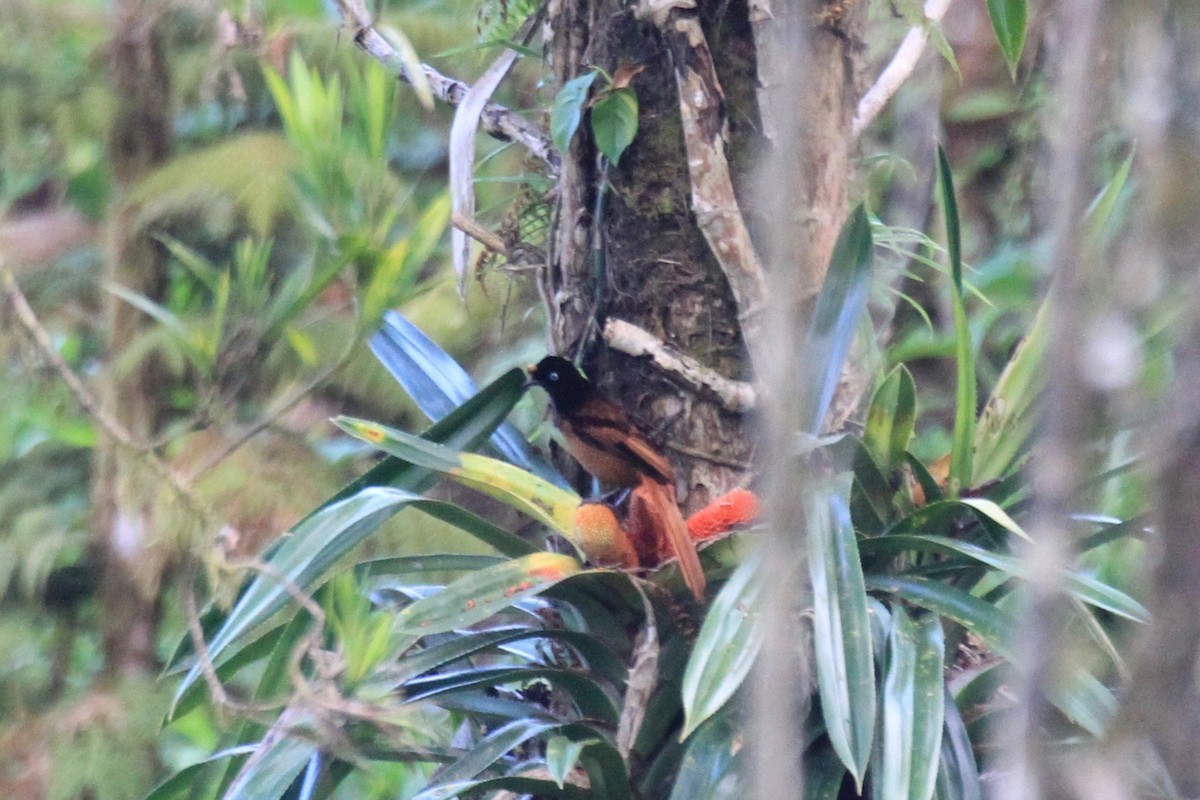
552	376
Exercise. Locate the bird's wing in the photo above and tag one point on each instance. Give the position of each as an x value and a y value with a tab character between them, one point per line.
614	433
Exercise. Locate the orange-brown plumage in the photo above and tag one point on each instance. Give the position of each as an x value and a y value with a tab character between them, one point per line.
601	437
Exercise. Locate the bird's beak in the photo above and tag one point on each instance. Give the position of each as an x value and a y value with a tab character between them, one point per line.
529	370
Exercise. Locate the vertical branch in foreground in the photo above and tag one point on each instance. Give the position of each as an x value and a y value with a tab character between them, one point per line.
1162	707
1070	403
124	495
782	676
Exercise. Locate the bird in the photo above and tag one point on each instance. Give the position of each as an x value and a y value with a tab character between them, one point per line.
601	437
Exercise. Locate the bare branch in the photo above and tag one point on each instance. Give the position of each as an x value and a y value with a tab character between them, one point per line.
735	396
87	401
899	68
496	120
713	200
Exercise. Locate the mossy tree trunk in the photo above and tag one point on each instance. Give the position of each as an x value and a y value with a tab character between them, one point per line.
635	251
125	494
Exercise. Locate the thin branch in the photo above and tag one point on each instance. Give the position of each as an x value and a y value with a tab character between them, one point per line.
701	104
496	120
736	396
899	68
87	401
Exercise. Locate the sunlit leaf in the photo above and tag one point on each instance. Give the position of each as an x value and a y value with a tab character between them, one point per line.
477	596
541	500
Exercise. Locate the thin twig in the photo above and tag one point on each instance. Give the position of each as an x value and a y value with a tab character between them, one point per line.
495	120
88	402
736	396
899	68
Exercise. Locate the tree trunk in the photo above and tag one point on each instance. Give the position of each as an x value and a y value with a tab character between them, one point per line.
635	251
125	491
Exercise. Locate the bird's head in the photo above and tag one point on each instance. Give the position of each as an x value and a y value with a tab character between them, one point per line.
561	380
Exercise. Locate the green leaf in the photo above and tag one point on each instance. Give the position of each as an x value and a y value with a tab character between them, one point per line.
891	418
726	647
562	754
483	755
301	558
840	306
964	356
1100	212
1008	21
989	623
269	772
1008	419
477	596
824	774
1079	695
1083	587
463	428
911	709
841	629
958	775
540	499
592	700
615	122
568	110
713	766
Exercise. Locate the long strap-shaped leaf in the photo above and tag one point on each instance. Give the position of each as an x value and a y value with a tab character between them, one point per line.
962	453
911	709
841	627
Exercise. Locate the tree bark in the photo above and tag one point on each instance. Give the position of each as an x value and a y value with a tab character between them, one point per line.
125	493
636	252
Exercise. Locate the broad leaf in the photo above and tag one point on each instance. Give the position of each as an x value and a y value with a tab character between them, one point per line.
568	110
714	764
615	122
